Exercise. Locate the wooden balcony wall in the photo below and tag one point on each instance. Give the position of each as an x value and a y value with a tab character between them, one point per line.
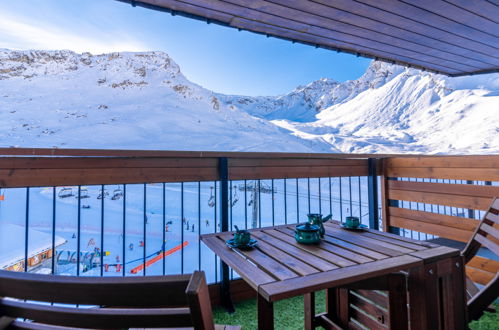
468	196
63	167
54	167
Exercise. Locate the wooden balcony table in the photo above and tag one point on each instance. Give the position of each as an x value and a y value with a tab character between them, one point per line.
280	268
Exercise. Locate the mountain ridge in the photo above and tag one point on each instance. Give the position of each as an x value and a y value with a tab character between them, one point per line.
143	101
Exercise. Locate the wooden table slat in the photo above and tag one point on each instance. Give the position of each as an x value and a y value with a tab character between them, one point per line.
317	249
289	260
305	257
355	257
264	261
250	273
297	286
371	244
395	242
280	268
424	244
436	253
386	241
309	250
351	254
358	249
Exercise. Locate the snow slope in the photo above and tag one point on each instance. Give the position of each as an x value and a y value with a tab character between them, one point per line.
411	111
128	101
142	101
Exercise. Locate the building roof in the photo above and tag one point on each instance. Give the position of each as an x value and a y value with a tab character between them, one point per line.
453	37
12	243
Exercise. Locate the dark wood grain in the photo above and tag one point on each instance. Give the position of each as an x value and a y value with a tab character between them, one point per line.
252	274
337	277
113	291
368	243
319	250
309	310
454	173
339	264
154	301
302	255
265	313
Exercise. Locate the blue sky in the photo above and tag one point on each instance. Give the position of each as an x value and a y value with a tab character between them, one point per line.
219	58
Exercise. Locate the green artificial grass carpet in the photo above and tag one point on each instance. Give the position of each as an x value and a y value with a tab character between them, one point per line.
289	315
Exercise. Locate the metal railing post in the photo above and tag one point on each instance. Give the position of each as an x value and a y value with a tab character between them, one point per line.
471	212
372	192
223	170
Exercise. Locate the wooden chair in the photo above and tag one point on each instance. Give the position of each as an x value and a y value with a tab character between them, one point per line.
486	235
111	302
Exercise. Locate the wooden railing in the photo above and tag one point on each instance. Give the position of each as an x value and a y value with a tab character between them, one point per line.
443	197
436	196
292	183
57	167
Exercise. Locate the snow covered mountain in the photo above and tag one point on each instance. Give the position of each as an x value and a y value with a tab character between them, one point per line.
142	101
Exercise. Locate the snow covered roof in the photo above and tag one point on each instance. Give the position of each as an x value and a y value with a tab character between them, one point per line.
450	37
12	243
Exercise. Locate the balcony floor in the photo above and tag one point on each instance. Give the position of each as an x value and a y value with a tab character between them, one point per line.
289	314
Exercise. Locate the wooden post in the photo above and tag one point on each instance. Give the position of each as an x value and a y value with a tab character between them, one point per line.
454	295
424	300
265	314
309	304
337	306
343	307
332	303
397	301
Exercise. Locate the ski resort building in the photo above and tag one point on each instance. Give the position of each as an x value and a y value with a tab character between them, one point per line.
12	254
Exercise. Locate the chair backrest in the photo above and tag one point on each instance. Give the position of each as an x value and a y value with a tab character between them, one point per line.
485	235
110	302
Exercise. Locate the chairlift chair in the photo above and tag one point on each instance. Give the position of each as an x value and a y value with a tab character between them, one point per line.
103	194
84	193
117	194
65	192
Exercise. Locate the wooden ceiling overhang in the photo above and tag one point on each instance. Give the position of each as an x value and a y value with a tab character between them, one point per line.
452	37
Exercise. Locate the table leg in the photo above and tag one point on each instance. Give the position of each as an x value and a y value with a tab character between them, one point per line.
332	303
424	298
309	307
437	295
454	296
265	314
337	306
397	301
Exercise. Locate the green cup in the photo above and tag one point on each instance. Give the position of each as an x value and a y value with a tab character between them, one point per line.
242	237
352	222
